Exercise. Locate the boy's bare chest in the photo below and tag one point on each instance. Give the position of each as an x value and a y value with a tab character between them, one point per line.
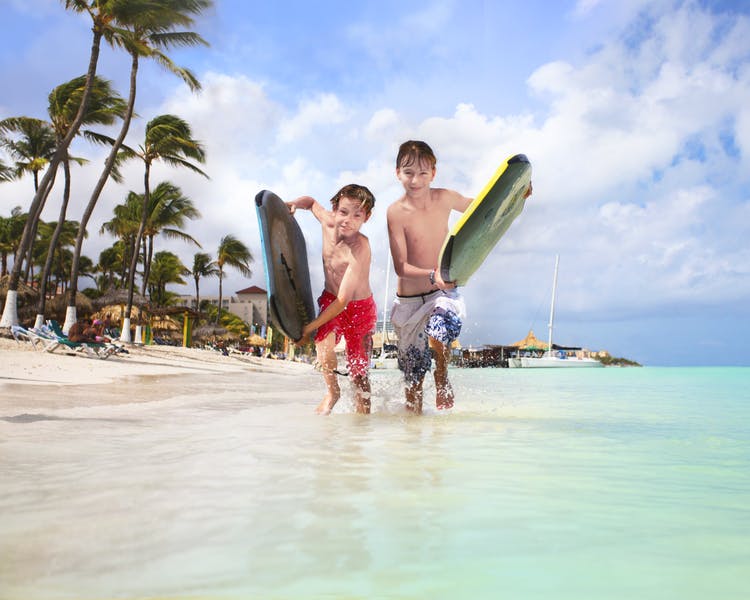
336	258
424	225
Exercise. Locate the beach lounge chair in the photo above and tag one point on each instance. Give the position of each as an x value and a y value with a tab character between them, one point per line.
19	333
39	340
99	350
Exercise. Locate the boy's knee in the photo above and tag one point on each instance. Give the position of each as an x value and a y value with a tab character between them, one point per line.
360	380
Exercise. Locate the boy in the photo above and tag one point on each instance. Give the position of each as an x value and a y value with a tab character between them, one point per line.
346	305
427	312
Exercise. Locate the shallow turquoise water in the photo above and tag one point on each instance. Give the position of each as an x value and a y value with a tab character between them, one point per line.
610	483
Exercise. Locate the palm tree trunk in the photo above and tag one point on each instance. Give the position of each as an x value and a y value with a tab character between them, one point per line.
197	296
148	255
138	238
146	270
70	315
29	271
218	312
53	246
125	267
10	313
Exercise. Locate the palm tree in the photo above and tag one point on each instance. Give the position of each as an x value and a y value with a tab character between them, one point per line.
101	15
168	138
31	142
104	106
11	229
51	254
32	149
232	253
168	210
110	263
146	28
167	268
124	225
203	266
6	173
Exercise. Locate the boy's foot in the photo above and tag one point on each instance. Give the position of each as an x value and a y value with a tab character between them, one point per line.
444	404
325	406
444	397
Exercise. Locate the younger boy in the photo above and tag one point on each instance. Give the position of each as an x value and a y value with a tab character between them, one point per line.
346	305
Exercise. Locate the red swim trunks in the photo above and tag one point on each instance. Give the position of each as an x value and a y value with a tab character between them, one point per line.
356	323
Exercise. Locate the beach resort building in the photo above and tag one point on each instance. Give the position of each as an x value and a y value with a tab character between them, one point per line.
249	304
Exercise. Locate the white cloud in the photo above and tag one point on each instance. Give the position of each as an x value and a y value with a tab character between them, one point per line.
383	125
312	115
232	115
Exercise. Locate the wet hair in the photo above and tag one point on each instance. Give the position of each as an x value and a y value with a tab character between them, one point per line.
358	193
415	152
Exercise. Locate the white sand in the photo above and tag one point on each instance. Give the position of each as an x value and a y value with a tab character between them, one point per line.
20	363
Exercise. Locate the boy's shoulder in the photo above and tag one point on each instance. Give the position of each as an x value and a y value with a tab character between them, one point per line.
405	205
360	247
363	241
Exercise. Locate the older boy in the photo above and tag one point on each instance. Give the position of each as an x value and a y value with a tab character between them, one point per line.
346	305
427	312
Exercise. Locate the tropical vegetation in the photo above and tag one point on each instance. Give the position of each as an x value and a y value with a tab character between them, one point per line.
48	255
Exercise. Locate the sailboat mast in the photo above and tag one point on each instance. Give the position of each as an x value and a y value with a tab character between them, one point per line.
385	300
552	306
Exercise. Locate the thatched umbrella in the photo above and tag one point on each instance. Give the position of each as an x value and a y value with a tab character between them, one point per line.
24	291
111	311
26	299
114	297
255	340
57	306
164	326
531	342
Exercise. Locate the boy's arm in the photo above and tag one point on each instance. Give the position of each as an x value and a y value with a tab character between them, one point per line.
457	201
308	203
355	272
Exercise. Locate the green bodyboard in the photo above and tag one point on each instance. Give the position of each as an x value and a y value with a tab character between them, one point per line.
485	220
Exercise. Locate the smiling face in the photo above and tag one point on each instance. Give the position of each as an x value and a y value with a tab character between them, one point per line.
349	216
416	177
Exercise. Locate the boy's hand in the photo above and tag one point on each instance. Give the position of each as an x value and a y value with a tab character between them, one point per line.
303	202
528	191
443	285
306	331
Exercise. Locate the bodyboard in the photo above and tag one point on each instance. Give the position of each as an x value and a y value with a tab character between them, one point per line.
485	220
290	298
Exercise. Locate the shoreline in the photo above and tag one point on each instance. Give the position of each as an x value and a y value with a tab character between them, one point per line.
22	365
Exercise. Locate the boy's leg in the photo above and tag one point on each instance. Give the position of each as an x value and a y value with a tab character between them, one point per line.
443	389
327	359
358	356
414	397
361	394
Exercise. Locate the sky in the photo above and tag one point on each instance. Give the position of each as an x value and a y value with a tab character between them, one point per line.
635	115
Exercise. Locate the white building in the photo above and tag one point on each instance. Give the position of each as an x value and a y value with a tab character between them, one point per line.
250	304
